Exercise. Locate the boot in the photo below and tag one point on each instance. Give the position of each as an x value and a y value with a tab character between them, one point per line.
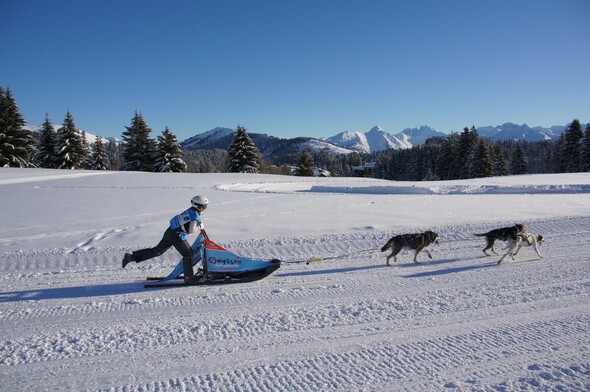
187	266
191	280
128	258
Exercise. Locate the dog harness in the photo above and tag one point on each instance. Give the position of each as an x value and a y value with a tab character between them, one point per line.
411	240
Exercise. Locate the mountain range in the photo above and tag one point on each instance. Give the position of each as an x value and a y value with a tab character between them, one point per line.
376	139
510	131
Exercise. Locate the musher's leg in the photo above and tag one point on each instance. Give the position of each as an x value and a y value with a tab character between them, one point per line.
185	250
149	253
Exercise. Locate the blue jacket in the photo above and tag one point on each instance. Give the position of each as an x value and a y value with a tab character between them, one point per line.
187	221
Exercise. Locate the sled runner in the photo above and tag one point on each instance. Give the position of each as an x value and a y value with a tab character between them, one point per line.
219	266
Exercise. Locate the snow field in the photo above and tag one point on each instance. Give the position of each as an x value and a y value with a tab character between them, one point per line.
72	319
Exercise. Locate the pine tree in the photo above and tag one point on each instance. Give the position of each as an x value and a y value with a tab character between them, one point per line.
499	162
305	165
558	154
139	148
243	156
86	150
572	148
17	145
46	156
482	161
99	159
448	165
71	152
467	144
585	150
518	162
168	154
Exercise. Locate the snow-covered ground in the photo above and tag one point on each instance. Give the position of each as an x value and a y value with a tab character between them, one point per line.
72	319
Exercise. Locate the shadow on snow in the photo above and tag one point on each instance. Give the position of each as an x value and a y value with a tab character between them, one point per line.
451	270
137	287
427	263
330	271
72	292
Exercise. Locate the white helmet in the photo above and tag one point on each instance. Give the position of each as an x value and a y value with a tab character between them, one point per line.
199	202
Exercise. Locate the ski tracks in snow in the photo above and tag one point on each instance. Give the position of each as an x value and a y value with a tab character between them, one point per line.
456	322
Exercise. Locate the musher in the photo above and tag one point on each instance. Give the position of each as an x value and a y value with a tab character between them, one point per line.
187	222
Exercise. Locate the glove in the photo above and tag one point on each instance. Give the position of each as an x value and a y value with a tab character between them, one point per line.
200	241
201	225
182	235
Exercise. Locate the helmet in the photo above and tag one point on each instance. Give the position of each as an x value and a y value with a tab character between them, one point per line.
199	202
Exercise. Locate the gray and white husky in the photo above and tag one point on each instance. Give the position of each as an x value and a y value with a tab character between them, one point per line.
417	242
524	239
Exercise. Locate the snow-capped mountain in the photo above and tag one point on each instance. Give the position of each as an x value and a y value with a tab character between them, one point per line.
208	137
511	131
350	140
374	140
418	136
379	140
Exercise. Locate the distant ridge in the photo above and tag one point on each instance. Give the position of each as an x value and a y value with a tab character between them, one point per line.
374	140
510	131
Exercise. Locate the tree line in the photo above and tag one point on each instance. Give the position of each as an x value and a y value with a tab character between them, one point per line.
466	155
456	156
68	148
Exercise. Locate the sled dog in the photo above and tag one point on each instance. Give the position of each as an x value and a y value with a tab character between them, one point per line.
502	234
524	239
416	241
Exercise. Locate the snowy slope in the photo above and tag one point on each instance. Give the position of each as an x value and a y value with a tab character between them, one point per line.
213	134
317	145
352	140
72	319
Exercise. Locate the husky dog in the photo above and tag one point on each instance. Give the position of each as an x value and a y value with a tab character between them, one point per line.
524	239
502	234
417	242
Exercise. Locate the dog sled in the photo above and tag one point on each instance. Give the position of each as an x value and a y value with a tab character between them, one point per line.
218	266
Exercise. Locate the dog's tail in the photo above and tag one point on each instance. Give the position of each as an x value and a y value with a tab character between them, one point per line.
479	234
387	246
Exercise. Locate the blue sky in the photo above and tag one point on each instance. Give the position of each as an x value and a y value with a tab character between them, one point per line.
297	68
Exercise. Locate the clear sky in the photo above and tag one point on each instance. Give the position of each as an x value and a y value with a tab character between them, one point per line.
299	67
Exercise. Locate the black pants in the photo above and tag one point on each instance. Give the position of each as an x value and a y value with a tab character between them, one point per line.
170	239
